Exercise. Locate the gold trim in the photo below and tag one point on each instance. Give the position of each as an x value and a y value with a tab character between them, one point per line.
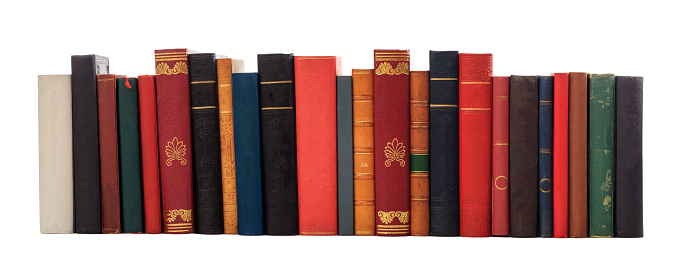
277	108
178	228
275	82
475	82
201	82
394	151
175	150
179	224
443	79
387	68
203	107
391	59
544	150
170	59
387	217
170	53
105	79
186	215
501	144
443	105
392	226
362	72
179	68
398	53
407	232
475	109
179	231
496	182
541	182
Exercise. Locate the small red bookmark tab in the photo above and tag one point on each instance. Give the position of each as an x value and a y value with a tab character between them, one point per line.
129	86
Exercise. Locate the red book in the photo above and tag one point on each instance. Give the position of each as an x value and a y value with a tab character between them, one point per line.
149	155
500	213
315	79
474	143
560	156
391	142
174	139
108	154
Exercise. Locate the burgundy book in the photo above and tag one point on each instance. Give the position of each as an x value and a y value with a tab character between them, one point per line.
150	166
391	142
560	156
174	139
108	154
500	213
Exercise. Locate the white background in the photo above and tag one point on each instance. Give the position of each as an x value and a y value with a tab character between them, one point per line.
636	38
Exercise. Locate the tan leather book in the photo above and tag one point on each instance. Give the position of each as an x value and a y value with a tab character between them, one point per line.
419	170
578	155
363	151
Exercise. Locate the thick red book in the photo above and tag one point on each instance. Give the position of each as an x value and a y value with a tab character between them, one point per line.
150	166
560	156
108	154
500	213
474	143
174	139
391	142
315	88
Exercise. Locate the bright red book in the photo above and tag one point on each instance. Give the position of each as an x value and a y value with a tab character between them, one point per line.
560	156
500	213
474	142
391	142
149	155
108	154
174	139
315	79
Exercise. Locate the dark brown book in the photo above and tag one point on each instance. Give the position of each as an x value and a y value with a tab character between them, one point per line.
578	155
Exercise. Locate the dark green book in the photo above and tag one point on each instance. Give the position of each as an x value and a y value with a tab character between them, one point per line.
131	194
601	154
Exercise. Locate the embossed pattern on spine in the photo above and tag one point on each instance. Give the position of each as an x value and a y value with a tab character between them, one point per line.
419	169
578	155
363	151
500	213
224	70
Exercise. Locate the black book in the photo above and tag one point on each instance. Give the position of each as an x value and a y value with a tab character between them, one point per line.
86	175
278	144
204	113
344	131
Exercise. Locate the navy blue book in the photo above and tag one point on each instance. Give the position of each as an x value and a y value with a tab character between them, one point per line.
545	122
247	153
444	214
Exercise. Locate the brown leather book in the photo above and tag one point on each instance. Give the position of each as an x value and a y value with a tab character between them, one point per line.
578	155
419	170
363	151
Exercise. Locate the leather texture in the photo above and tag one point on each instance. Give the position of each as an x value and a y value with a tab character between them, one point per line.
150	168
419	169
86	175
444	210
224	73
108	154
578	154
601	107
545	181
344	139
363	151
174	140
278	143
628	218
560	156
204	100
524	183
500	155
131	193
475	102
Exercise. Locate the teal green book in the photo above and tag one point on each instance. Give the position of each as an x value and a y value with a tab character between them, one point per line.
131	193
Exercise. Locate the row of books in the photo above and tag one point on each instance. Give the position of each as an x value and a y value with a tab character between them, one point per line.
298	148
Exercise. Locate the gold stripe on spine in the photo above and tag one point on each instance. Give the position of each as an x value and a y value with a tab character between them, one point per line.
392	226
442	105
105	79
475	109
171	53
277	108
362	71
387	233
203	107
184	227
202	82
475	82
443	79
390	52
544	150
501	144
171	59
179	224
275	82
178	231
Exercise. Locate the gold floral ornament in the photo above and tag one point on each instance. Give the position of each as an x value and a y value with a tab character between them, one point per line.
175	150
186	215
388	217
179	68
395	152
387	68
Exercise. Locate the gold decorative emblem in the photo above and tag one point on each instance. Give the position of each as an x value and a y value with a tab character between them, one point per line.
386	68
179	68
540	185
175	150
395	152
496	182
388	217
186	215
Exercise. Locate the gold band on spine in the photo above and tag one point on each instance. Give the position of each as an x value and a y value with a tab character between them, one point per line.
202	82
443	79
275	82
277	108
475	82
442	105
203	107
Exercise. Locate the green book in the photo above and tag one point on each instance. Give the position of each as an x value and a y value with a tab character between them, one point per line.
131	193
601	154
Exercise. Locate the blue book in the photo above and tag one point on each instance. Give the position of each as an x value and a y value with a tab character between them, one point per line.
545	118
247	153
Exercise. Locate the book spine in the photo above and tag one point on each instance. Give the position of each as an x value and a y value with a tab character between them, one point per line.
475	102
444	210
419	168
174	137
278	143
55	130
628	218
344	139
560	156
224	73
545	165
108	154
315	81
247	153
130	155
206	144
524	156
86	175
391	141
363	151
500	214
601	154
578	155
150	165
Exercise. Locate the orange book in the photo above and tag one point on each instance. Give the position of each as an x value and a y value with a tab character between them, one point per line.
419	170
363	151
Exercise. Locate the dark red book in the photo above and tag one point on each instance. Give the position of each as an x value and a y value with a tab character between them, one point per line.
108	154
560	156
150	166
315	91
391	142
174	139
474	142
500	213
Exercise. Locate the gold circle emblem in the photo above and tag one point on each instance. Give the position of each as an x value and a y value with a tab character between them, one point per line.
496	182
540	185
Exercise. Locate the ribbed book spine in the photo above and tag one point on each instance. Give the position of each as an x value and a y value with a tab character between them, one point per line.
601	154
344	139
444	210
108	154
560	156
475	102
363	151
500	213
419	170
152	207
545	181
391	142
628	218
131	194
578	155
